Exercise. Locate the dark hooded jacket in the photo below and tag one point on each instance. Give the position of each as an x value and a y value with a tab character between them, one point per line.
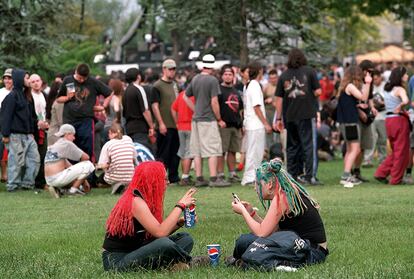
18	115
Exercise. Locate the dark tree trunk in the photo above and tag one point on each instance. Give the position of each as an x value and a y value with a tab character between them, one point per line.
244	51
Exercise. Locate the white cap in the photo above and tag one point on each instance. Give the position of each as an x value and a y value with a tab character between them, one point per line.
65	129
208	61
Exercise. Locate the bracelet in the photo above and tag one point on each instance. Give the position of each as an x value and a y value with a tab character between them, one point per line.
180	205
253	213
278	119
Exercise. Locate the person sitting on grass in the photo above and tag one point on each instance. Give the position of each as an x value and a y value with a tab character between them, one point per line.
118	158
137	237
59	172
292	220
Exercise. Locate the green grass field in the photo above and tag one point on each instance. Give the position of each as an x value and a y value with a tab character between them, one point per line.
369	229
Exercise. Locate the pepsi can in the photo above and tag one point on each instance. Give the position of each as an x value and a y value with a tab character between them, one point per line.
214	252
190	216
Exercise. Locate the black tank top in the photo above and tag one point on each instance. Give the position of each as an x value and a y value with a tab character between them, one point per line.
346	110
309	225
128	243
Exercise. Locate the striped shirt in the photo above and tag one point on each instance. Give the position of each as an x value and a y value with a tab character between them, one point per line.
121	157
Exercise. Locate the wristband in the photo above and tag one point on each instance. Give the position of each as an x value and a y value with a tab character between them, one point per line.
278	119
180	205
253	213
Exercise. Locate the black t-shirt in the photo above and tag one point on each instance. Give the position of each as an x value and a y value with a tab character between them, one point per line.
309	225
81	106
135	103
128	243
230	106
296	87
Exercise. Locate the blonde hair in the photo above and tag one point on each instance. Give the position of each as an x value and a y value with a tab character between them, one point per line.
117	129
352	75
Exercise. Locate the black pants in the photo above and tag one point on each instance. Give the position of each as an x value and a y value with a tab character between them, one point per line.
299	148
156	254
167	148
40	178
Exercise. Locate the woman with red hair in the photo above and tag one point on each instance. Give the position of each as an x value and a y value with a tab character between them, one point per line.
137	237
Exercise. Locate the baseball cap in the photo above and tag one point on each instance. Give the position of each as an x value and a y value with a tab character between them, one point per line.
65	129
169	64
8	73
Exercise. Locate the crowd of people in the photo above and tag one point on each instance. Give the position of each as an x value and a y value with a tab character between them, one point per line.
59	137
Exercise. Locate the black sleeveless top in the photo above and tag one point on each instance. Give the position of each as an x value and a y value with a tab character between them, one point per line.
346	111
128	243
309	225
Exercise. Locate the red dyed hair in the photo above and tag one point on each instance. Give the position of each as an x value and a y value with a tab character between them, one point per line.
149	180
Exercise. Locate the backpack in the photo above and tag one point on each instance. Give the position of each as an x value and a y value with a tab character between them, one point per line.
282	248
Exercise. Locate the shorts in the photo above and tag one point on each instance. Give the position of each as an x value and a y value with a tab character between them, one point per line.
230	139
343	128
184	150
205	140
367	136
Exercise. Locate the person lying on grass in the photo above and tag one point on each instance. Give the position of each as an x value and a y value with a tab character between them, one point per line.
137	237
292	221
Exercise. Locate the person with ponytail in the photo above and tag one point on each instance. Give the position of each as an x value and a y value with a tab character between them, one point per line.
290	208
137	236
397	124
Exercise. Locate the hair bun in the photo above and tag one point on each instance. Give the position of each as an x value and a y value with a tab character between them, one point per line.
275	165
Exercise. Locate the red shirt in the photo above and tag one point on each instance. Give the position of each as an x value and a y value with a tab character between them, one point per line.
184	113
327	88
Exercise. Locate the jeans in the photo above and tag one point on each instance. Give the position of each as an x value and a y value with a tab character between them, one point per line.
317	254
142	138
156	254
300	148
167	148
64	178
23	162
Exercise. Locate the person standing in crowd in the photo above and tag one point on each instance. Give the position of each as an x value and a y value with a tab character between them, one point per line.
347	117
380	133
296	104
79	105
231	106
365	109
398	124
54	113
327	89
183	116
244	79
8	85
59	172
114	109
255	124
136	111
118	158
164	92
39	99
18	127
137	235
408	178
205	141
269	96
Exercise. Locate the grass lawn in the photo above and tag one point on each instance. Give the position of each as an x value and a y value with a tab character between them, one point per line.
369	229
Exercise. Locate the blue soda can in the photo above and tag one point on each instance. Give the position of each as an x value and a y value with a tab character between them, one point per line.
190	216
214	252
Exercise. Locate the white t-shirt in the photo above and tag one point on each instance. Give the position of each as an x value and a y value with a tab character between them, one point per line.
3	93
40	105
253	96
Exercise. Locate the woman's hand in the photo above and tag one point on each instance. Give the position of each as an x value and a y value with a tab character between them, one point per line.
238	206
248	207
188	199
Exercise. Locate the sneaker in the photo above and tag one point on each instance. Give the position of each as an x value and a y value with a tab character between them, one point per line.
219	183
315	181
286	268
234	179
357	174
75	191
407	179
382	180
54	192
232	261
201	182
367	164
346	181
186	181
303	180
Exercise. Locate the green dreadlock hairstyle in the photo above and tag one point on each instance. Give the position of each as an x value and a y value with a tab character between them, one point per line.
286	188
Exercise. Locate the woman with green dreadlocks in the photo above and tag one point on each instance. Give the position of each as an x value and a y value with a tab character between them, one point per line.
291	210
